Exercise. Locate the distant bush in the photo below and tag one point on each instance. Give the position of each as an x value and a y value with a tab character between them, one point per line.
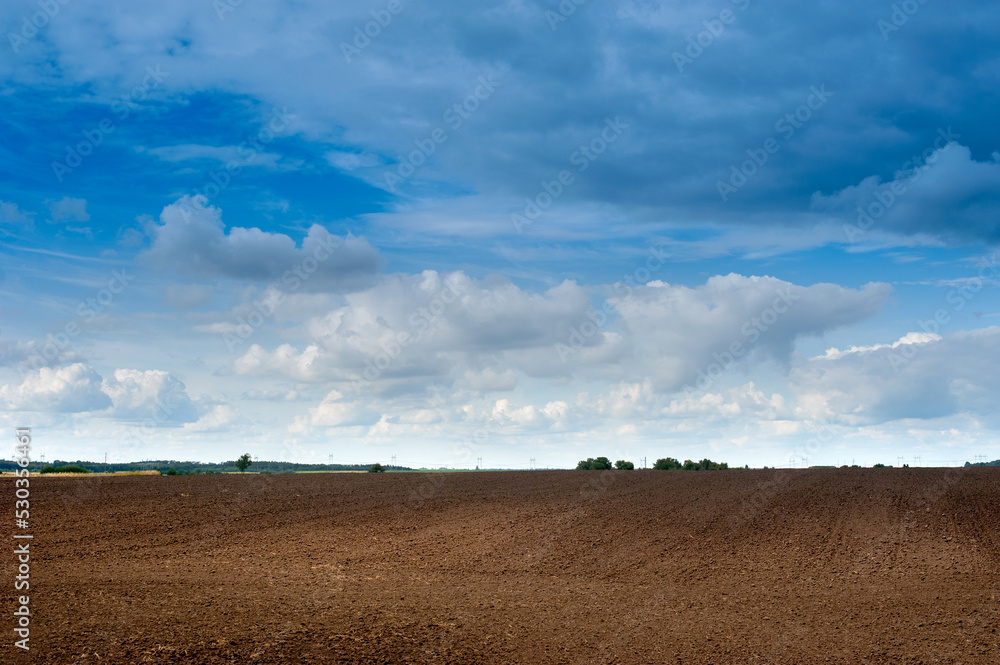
173	472
71	468
594	464
376	468
670	464
878	466
622	465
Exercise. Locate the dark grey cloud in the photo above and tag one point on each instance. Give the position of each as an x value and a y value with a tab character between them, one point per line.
890	90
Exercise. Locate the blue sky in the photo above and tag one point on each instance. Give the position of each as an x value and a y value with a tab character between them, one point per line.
758	232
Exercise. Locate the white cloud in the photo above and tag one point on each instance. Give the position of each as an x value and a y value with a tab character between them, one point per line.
72	389
192	240
223	155
352	161
909	338
12	215
150	394
928	376
220	418
68	209
422	332
678	333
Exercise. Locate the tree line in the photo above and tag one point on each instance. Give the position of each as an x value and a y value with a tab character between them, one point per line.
662	464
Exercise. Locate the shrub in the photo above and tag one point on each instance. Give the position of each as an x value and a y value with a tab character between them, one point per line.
71	468
376	468
173	472
669	463
622	465
594	464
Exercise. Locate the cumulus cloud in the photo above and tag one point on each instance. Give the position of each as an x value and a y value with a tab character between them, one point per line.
335	411
219	418
422	333
418	326
156	394
950	195
72	389
919	376
68	209
192	240
130	395
678	332
11	215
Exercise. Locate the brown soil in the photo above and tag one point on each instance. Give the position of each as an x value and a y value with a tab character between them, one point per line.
819	566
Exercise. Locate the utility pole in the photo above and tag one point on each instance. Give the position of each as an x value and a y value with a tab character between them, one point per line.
531	464
479	463
393	461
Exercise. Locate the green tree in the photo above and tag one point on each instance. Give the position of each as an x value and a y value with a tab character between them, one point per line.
666	464
244	462
594	464
376	468
622	465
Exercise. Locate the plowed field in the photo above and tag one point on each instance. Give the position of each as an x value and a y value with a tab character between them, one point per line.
809	566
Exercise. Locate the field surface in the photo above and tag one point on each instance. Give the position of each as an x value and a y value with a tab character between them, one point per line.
769	567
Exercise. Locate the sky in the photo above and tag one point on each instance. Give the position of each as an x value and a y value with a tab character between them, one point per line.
506	234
